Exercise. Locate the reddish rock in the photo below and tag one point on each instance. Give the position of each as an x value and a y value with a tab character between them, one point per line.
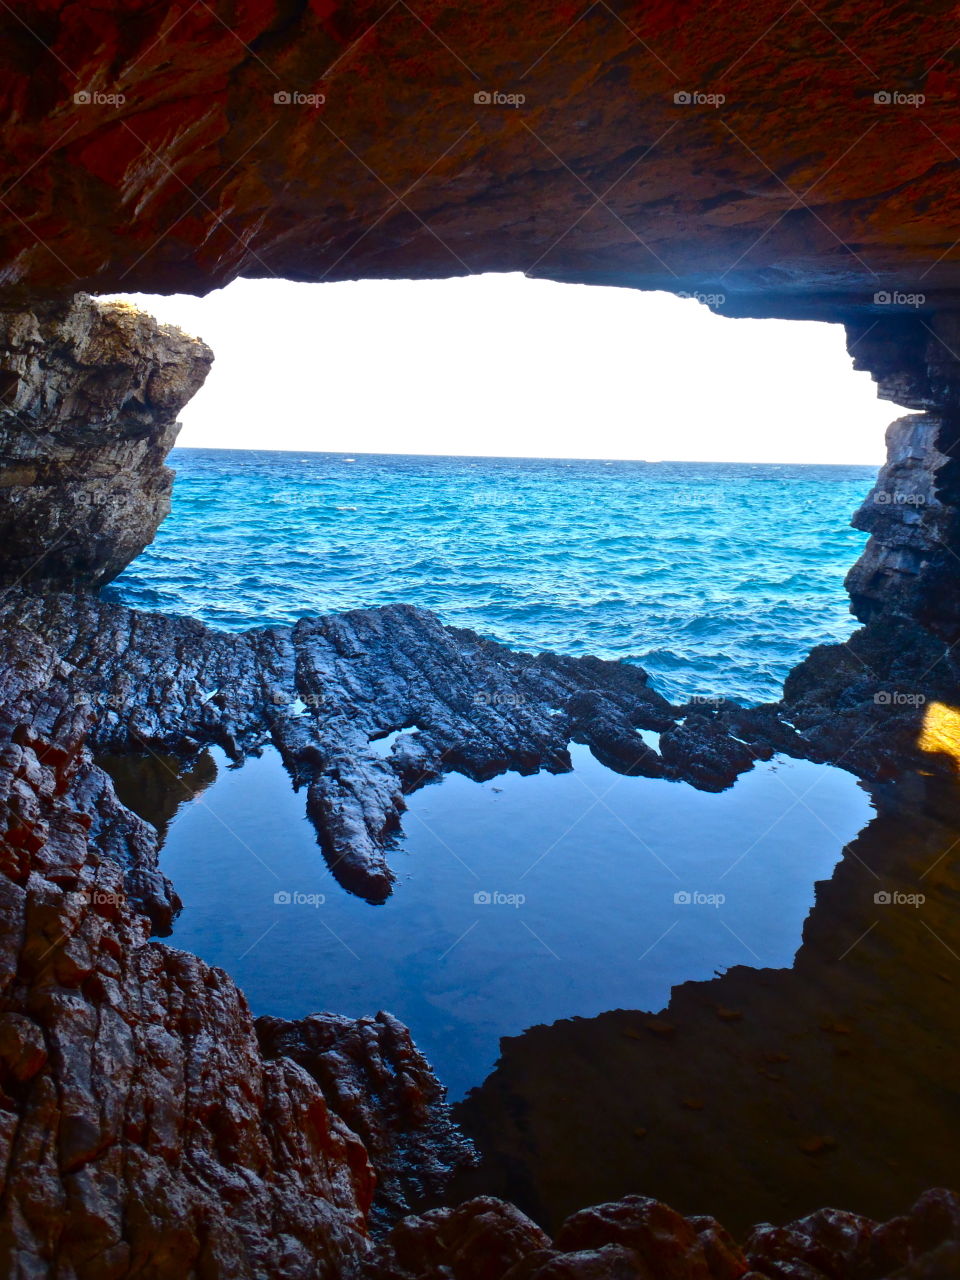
481	1239
144	147
666	1243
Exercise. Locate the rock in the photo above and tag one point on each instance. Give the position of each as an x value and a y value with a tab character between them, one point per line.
326	688
376	1080
909	568
827	1243
90	395
667	1245
150	1134
482	1239
23	1051
742	155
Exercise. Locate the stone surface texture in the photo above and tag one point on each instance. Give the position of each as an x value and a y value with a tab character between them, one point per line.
174	147
89	397
777	160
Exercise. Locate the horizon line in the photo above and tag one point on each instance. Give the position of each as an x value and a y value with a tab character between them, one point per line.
521	457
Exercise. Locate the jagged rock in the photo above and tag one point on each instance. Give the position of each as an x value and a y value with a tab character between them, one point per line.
482	1239
89	397
324	689
910	568
638	1238
140	1130
376	1080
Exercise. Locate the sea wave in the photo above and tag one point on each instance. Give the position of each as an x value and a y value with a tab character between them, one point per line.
715	577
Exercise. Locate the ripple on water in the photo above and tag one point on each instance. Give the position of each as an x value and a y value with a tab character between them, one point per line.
622	559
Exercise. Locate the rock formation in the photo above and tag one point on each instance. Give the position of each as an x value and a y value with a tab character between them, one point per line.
324	689
640	1239
774	161
89	397
910	567
143	1130
794	159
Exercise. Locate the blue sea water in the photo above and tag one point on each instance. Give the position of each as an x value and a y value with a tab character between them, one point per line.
602	890
715	577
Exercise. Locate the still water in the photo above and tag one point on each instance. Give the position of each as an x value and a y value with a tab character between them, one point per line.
518	901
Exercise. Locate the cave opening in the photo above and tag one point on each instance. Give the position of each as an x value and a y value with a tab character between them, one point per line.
580	468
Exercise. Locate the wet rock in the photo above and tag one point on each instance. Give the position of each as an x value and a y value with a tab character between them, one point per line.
325	689
377	1081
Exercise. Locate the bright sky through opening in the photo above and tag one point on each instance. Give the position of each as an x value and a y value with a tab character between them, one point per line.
503	366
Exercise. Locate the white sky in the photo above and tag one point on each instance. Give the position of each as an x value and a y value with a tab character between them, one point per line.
500	365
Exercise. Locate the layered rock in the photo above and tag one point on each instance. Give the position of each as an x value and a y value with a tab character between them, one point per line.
325	690
773	159
787	159
142	1130
89	397
149	1127
910	567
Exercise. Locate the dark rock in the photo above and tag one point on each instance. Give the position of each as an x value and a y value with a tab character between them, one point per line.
87	417
155	155
667	1245
376	1080
481	1239
323	690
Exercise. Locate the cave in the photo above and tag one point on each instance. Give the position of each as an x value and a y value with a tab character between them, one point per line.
798	162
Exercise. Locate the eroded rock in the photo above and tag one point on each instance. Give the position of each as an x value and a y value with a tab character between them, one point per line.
89	397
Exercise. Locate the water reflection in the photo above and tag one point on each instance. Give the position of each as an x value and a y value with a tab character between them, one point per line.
519	901
156	786
761	1095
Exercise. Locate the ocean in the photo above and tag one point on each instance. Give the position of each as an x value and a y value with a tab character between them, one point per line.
715	577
